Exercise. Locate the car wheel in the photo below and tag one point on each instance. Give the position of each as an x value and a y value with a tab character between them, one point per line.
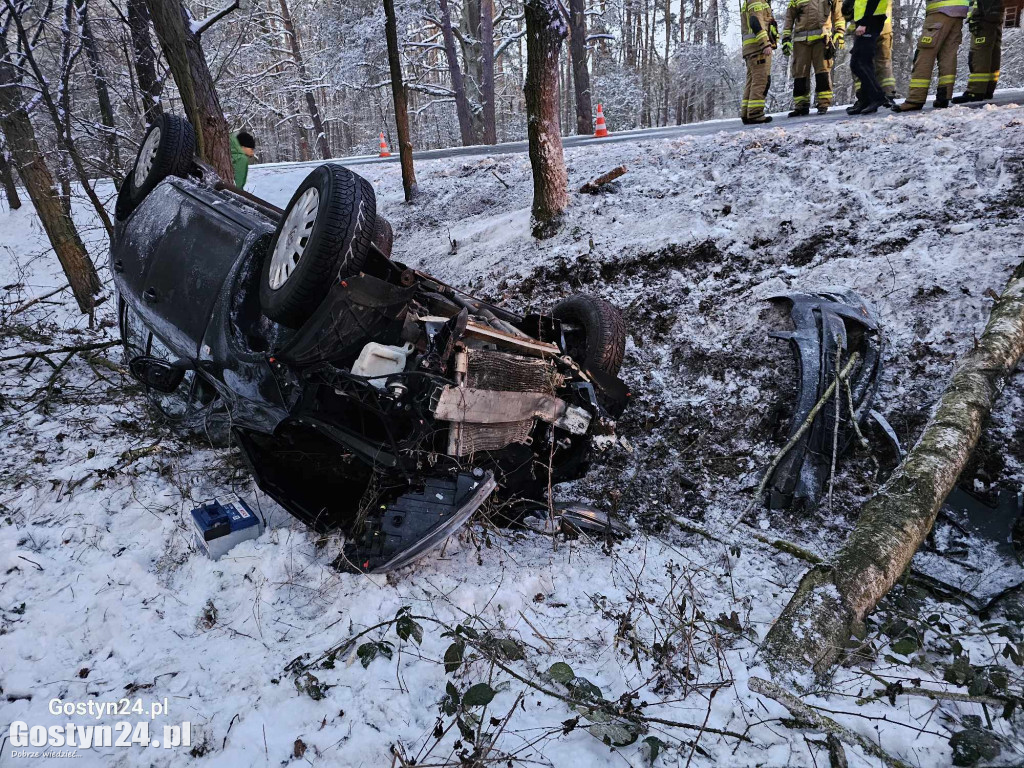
168	149
324	236
594	332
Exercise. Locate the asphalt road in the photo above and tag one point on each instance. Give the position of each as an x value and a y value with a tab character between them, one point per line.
836	114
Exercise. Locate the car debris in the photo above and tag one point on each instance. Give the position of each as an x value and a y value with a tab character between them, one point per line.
976	548
573	517
829	326
222	524
365	396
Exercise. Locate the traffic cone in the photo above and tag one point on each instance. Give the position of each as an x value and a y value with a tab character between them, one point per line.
383	146
602	129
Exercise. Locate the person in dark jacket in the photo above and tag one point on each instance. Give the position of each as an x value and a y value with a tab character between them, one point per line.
869	20
243	148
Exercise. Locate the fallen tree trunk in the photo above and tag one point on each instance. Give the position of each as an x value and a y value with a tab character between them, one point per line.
833	598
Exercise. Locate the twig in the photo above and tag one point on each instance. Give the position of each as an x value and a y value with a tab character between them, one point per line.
815	719
537	631
797	435
835	441
36	300
60	350
593	186
495	175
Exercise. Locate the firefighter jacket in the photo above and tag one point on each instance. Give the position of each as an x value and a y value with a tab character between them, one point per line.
758	26
957	9
810	20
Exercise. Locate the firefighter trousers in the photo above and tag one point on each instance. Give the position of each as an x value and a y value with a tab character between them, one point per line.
883	67
805	56
759	80
939	42
984	59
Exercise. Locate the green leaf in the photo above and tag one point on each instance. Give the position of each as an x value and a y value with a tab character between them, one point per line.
560	672
617	734
453	656
451	700
654	746
904	646
367	652
478	695
465	631
407	627
581	688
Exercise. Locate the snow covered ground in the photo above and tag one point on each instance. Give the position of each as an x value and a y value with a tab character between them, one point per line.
103	594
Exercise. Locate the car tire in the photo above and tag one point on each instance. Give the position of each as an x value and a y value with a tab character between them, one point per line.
167	149
324	236
594	332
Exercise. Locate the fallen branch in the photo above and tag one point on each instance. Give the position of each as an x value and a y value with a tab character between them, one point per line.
816	720
60	350
593	186
844	374
36	300
831	601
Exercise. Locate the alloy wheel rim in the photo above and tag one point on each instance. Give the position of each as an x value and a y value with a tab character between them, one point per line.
147	156
295	232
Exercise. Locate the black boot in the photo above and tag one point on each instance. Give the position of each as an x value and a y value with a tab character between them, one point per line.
940	103
800	111
759	120
870	109
857	108
967	98
822	110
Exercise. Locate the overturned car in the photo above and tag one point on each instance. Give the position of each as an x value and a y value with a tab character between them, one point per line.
366	396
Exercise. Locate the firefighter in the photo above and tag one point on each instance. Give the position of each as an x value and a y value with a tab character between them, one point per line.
811	35
883	65
760	37
869	17
985	23
939	41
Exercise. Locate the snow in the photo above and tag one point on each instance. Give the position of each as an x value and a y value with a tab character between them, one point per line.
921	214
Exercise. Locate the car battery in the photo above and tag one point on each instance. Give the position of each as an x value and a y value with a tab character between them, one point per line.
223	523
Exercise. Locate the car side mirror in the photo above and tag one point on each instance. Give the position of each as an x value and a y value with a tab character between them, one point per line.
161	375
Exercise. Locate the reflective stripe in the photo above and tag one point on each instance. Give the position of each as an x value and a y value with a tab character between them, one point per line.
947	79
888	81
983	77
761	36
937	4
758	7
825	94
808	35
920	83
979	41
801	100
751	104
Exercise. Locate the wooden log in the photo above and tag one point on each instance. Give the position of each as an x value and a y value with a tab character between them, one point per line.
593	186
833	598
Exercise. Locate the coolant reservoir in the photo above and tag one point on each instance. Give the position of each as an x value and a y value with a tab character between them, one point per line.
378	361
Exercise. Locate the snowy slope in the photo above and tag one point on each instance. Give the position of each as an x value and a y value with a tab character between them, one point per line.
103	594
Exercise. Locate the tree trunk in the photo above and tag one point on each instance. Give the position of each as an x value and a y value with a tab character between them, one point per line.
490	134
145	59
831	600
544	34
195	84
7	181
472	55
300	66
455	72
28	159
401	107
92	54
580	74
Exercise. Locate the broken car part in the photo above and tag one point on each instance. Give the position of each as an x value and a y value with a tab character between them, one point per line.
829	326
367	398
566	517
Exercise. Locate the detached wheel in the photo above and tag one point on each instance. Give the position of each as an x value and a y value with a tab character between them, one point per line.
168	149
324	237
594	332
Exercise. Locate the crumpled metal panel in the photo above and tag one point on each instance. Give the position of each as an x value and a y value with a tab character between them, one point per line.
828	324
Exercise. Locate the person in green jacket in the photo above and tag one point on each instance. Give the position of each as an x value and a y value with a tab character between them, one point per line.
243	147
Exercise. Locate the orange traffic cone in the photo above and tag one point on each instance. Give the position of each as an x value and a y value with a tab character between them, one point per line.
383	146
602	129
